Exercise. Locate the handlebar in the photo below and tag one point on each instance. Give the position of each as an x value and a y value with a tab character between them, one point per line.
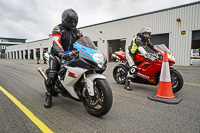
154	56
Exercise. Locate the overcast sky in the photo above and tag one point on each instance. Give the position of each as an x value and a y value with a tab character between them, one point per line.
35	19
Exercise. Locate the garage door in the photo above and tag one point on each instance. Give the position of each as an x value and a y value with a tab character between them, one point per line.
195	39
115	45
159	39
196	35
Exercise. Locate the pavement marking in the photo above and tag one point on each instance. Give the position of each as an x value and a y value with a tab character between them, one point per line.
28	113
192	84
107	73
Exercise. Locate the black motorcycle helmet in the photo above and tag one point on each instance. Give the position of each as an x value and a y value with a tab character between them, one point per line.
70	18
145	30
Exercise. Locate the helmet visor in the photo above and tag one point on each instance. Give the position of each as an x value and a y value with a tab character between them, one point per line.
71	22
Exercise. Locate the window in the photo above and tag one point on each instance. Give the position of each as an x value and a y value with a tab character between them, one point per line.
12	40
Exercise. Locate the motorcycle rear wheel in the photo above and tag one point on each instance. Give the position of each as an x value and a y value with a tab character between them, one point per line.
119	73
101	103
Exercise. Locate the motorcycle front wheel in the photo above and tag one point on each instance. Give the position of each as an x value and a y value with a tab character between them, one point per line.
176	80
101	103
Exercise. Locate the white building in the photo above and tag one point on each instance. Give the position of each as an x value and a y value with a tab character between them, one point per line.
28	50
6	42
178	28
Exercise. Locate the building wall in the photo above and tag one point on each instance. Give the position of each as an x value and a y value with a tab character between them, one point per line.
164	21
45	43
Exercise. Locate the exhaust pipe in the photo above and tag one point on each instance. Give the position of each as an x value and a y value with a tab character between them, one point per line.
41	71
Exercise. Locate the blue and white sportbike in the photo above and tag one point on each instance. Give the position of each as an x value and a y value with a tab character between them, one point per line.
81	78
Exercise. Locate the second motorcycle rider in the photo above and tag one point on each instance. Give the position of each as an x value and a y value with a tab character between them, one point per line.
139	42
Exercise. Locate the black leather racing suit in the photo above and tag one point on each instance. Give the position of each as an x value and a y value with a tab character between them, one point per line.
63	40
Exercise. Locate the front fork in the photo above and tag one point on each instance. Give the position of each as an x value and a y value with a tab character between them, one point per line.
85	85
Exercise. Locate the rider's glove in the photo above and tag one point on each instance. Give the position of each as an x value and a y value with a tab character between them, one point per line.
75	54
147	56
152	58
65	56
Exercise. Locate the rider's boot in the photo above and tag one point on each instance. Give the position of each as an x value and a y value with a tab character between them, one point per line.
127	84
131	74
48	100
50	83
49	89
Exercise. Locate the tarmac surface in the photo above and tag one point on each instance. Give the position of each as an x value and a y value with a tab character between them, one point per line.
131	112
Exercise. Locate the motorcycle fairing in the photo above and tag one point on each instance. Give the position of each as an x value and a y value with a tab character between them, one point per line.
149	69
89	79
69	80
84	61
88	51
89	55
68	84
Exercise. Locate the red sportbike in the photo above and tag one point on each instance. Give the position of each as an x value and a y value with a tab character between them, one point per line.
148	72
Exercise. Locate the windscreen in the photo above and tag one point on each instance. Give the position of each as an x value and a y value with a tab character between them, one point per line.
86	41
162	47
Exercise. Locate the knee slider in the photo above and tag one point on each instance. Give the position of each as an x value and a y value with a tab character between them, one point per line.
49	82
132	70
51	78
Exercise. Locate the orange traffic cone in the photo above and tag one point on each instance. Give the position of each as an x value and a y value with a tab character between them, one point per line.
165	93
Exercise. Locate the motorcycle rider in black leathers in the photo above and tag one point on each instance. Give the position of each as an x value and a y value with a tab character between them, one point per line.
64	36
139	42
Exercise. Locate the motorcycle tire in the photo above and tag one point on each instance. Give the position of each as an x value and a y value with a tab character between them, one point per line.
103	92
176	80
119	73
